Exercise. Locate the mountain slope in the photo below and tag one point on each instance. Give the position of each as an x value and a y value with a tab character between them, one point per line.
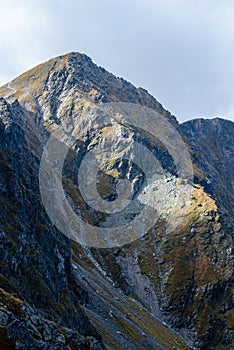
170	288
212	141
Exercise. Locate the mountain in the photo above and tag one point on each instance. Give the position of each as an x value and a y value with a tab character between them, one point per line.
68	284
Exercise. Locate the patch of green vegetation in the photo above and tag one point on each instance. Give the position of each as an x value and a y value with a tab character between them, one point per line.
130	331
181	276
208	275
152	327
80	257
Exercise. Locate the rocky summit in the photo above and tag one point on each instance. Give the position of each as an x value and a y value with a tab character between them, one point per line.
116	221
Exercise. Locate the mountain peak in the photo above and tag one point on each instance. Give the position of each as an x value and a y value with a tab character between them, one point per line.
77	72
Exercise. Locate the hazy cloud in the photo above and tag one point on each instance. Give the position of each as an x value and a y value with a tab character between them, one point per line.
182	51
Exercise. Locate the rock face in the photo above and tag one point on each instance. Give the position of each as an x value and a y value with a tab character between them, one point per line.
212	142
172	287
22	328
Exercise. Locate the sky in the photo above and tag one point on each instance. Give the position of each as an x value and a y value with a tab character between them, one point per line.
181	51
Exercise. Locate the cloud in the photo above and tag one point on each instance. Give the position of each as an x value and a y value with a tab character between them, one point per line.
23	28
180	50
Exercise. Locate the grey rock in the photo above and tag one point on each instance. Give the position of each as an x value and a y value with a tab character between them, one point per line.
61	339
47	334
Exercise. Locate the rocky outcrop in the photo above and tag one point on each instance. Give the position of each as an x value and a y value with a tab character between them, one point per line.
35	258
21	327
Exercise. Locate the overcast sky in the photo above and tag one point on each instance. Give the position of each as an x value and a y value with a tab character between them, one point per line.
181	51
